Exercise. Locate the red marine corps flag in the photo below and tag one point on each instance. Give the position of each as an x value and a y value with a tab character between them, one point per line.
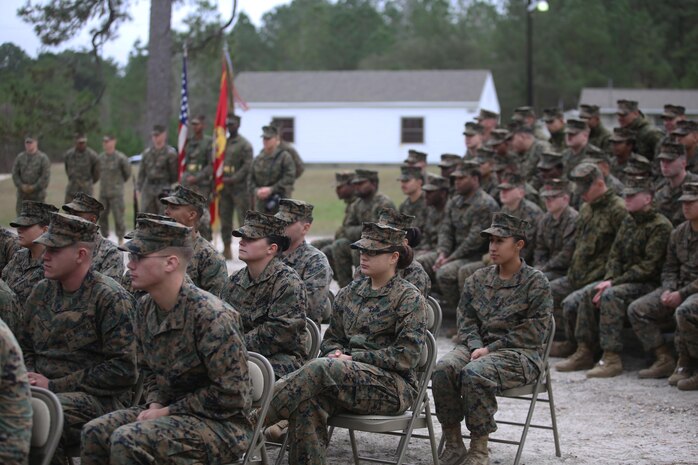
219	141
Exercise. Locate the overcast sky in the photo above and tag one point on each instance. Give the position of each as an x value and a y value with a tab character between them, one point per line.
13	29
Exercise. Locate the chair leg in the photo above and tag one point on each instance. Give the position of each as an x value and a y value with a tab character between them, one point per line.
553	417
432	437
354	451
531	408
282	451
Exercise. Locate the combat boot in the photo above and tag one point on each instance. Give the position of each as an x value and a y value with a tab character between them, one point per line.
581	359
609	366
478	455
454	451
689	384
562	349
662	367
683	370
227	254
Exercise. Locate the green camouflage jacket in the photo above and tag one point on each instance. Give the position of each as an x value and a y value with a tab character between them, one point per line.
417	209
107	259
430	233
237	163
315	272
22	273
364	210
666	199
114	170
158	169
9	245
35	170
680	272
275	170
647	137
555	241
82	168
198	162
532	213
459	236
207	267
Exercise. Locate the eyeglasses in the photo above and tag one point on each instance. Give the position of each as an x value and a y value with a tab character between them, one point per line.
136	258
373	253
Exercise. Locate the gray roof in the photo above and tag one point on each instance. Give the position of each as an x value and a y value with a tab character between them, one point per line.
650	100
362	86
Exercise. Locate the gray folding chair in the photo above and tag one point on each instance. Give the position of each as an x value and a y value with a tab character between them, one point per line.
312	340
434	318
47	426
530	393
417	417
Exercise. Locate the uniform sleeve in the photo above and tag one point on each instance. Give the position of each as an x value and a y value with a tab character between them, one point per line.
288	175
94	159
172	165
285	319
540	254
353	226
16	172
42	182
246	156
446	233
113	265
335	337
317	277
125	167
561	259
118	371
207	171
473	242
468	322
614	265
671	269
251	181
646	270
530	332
403	354
220	345
141	171
213	273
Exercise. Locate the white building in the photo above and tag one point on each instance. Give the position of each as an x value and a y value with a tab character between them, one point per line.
366	116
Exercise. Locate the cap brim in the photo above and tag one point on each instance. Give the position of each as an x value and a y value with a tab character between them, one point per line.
499	232
49	240
249	232
632	191
551	193
370	244
140	246
171	200
24	221
286	217
668	156
688	198
358	180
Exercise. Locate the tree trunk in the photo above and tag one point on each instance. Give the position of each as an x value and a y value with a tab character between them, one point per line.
159	94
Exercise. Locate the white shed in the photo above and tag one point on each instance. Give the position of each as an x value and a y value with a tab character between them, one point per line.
366	116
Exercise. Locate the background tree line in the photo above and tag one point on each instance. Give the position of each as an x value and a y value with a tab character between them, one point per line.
590	43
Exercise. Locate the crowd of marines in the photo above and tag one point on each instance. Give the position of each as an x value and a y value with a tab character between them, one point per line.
561	219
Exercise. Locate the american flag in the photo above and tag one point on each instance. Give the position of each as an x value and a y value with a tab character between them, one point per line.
183	117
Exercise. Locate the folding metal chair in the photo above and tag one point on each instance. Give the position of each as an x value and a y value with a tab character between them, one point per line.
435	317
313	339
47	426
417	417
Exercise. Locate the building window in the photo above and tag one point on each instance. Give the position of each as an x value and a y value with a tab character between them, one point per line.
286	125
412	131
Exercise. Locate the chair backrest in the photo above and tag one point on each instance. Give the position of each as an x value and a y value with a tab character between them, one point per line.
427	361
549	340
262	378
47	426
434	316
312	339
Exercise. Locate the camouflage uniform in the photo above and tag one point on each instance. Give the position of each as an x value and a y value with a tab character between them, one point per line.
597	225
430	233
9	245
529	161
115	170
234	196
363	210
159	170
33	170
22	273
460	240
82	168
572	160
557	141
312	267
10	311
555	241
418	208
667	197
198	162
383	331
633	266
207	267
15	401
508	317
599	137
275	170
193	358
647	137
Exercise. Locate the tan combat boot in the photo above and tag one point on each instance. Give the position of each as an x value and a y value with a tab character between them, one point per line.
662	367
478	454
454	451
689	384
609	366
562	349
682	370
227	254
581	359
276	433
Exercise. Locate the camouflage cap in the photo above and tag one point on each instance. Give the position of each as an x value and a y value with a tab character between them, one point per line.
83	203
29	138
588	111
435	183
551	114
596	157
181	195
685	127
230	117
410	172
395	219
498	136
673	111
80	137
623	135
108	137
486	114
465	168
485	154
521	113
519	128
550	160
502	162
638	165
555	187
671	151
689	192
147	216
364	175
158	129
343	177
575	126
449	160
636	184
292	210
626	106
504	225
269	132
473	129
512	181
33	213
65	230
153	235
258	225
415	156
584	175
375	236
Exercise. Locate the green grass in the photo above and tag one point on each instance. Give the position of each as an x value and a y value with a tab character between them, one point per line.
316	186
